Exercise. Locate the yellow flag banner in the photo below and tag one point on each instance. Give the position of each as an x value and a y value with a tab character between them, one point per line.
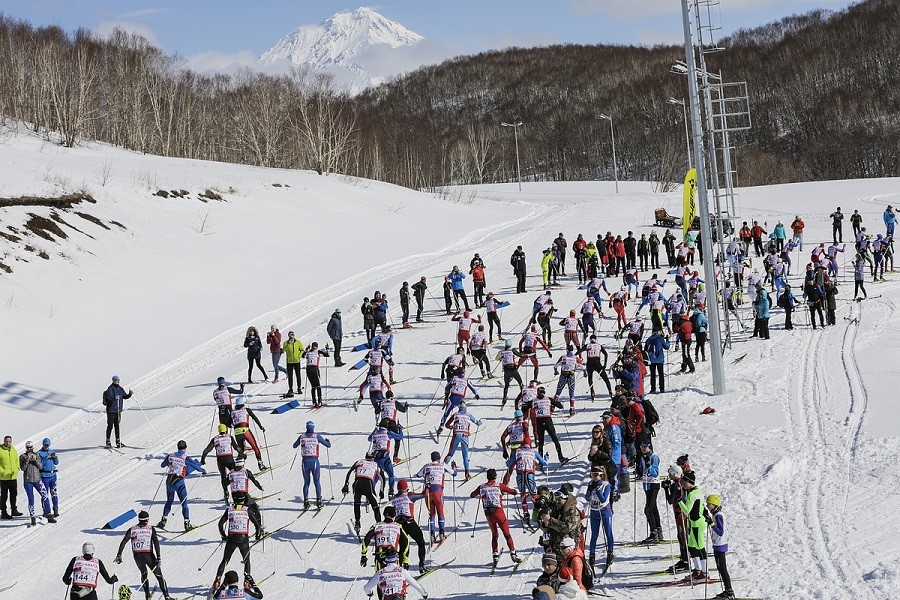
690	201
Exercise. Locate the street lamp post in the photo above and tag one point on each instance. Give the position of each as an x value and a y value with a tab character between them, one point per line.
515	127
687	134
612	134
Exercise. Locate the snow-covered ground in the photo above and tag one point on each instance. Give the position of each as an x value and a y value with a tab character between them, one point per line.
802	447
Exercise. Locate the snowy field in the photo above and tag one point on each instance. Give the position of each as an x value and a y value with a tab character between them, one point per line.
802	448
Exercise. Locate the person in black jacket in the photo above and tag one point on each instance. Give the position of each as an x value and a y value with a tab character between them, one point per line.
335	331
145	549
89	570
419	293
404	303
630	250
114	399
253	344
238	519
517	260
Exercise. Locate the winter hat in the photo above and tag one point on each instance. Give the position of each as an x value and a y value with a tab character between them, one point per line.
435	455
491	474
689	477
518	414
682	459
674	471
402	485
310	426
182	445
338	310
549	558
115	378
239	401
239	462
567	542
143	516
462	408
220	381
46	441
231	578
507	344
223	428
389	511
29	444
87	549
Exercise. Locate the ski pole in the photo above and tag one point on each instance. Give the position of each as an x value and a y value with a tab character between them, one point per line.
571	443
474	522
293	460
669	534
330	476
269	455
634	520
318	537
352	583
216	549
455	522
66	597
159	487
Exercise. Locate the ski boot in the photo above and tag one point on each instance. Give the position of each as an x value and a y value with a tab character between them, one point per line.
515	557
108	444
438	432
441	535
319	504
698	575
161	524
679	567
434	538
33	521
468	476
49	517
187	525
651	539
592	558
726	595
217	583
397	459
250	585
571	412
422	566
496	558
261	466
609	559
306	505
119	444
356	527
56	512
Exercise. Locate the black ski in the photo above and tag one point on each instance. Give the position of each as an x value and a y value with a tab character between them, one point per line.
431	570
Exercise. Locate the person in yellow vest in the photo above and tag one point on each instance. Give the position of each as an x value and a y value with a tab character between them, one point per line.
293	352
693	507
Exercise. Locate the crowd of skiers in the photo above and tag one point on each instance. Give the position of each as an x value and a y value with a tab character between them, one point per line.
570	520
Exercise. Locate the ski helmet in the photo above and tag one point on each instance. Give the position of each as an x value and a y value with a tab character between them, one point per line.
182	445
674	471
87	549
310	426
223	428
435	455
143	516
402	485
239	401
714	500
220	381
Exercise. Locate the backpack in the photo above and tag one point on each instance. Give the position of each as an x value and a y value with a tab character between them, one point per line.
782	300
651	417
587	574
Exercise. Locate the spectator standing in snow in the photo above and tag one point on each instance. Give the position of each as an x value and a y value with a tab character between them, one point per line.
293	351
517	260
368	315
419	294
837	222
9	478
404	303
114	400
456	282
253	344
856	222
273	339
335	331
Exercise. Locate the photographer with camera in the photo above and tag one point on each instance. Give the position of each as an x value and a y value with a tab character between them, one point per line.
30	464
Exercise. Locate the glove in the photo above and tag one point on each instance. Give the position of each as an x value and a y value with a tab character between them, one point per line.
262	490
118	560
453	465
477	397
425	596
550	354
345	489
369	594
224	538
380	497
506	454
327	440
259	535
202	473
114	578
67	580
363	561
556	372
263	429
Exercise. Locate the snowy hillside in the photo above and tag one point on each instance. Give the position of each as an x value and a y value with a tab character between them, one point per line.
802	448
341	42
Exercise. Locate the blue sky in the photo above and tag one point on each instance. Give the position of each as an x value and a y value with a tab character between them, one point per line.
212	32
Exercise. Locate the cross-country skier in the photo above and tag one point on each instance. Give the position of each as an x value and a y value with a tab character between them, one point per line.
365	471
565	368
225	446
313	377
240	418
542	415
589	308
376	385
114	400
454	364
507	358
460	424
239	480
478	346
222	396
528	349
434	473
543	319
30	465
647	470
309	443
84	572
596	363
538	304
464	328
403	504
454	395
491	500
571	326
380	440
384	341
513	437
49	462
493	317
392	580
178	465
388	536
231	588
523	459
388	410
145	550
237	517
598	498
618	302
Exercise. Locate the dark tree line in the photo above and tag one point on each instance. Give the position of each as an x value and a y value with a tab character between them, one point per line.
824	94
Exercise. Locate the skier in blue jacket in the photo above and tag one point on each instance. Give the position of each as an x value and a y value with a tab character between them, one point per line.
456	282
655	348
380	439
309	449
178	465
701	326
599	500
647	470
614	433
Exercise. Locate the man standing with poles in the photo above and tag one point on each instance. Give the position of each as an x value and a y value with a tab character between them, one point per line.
238	519
145	549
309	443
